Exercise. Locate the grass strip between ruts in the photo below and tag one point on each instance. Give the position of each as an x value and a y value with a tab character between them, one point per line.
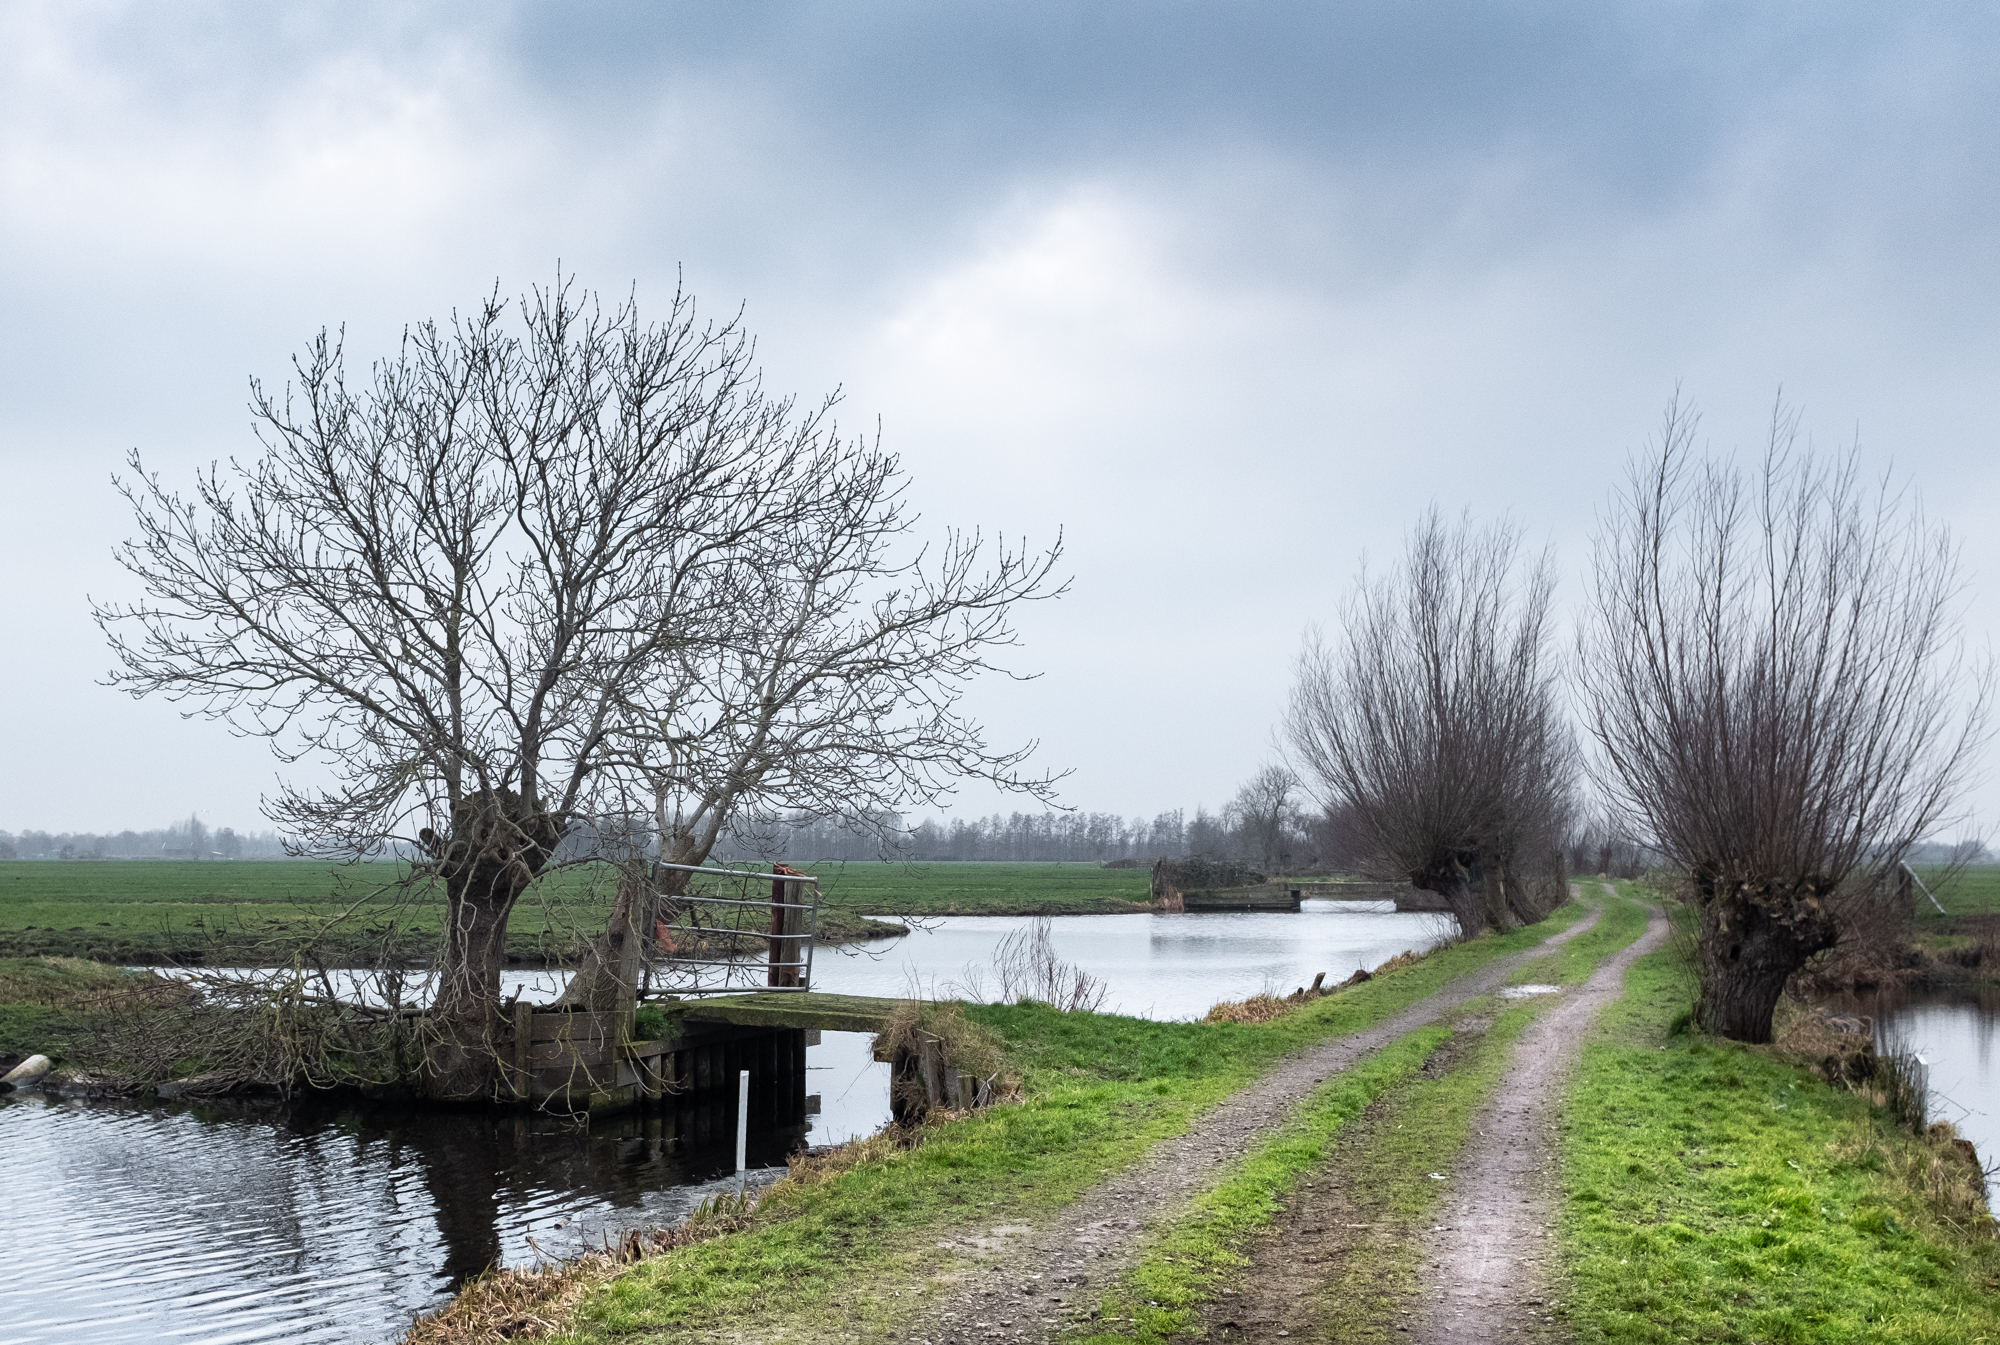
1160	1296
853	1254
1715	1192
1185	1262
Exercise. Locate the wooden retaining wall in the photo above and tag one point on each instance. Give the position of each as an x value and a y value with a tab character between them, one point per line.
588	1062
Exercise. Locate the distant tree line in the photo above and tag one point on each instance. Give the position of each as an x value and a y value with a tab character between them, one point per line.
188	839
1269	823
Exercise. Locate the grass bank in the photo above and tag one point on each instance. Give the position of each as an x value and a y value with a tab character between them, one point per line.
1715	1192
1421	1121
56	1006
853	1250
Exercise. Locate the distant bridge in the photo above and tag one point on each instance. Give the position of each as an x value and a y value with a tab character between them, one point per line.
1281	895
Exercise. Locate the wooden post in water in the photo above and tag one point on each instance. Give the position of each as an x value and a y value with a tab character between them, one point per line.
524	1050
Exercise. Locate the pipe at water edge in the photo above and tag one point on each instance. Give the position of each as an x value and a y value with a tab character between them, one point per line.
742	1131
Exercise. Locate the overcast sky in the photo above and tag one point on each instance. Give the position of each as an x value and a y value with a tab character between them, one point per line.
1226	293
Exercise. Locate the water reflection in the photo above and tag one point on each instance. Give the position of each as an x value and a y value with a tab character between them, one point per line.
136	1223
129	1222
1954	1032
1157	966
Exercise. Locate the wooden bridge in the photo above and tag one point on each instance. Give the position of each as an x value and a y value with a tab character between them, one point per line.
1283	895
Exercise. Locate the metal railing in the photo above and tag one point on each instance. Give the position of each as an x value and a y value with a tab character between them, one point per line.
716	938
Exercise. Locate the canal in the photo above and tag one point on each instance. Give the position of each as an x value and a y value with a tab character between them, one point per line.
219	1222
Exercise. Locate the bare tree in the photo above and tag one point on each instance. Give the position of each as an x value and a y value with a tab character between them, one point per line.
1263	813
1781	705
1433	729
556	563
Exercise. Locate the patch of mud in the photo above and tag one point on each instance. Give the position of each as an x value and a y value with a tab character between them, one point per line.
1490	1262
1033	1287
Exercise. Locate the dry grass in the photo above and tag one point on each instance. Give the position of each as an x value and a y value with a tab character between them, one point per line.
76	984
532	1304
506	1305
1943	1169
1262	1008
1256	1009
1815	1038
959	1044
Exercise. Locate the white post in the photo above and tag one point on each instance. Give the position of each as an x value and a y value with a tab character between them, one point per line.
1927	892
742	1121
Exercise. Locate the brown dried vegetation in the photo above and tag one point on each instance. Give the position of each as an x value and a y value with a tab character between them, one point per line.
1262	1008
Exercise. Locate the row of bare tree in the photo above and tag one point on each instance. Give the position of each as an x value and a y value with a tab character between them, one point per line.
190	839
1770	676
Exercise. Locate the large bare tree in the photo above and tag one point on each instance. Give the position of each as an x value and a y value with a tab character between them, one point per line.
1434	728
1773	675
549	562
1264	813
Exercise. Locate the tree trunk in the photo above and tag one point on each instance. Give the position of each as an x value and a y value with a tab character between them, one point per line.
1493	893
608	980
1749	948
496	848
1466	905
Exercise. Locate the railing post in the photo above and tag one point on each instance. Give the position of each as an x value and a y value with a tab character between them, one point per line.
786	947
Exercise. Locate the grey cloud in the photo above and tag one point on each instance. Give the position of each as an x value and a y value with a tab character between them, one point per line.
1459	251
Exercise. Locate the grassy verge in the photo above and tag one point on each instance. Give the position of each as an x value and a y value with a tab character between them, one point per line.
1427	1124
1716	1193
854	1251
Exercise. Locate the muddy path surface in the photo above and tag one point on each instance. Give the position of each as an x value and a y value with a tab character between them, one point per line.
1487	1265
1336	1263
1028	1283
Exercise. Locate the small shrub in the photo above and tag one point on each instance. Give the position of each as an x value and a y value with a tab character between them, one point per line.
651	1023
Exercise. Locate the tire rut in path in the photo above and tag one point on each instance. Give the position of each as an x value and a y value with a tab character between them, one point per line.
1030	1282
1488	1262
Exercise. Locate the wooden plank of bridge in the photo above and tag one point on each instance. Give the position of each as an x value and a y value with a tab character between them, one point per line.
806	1009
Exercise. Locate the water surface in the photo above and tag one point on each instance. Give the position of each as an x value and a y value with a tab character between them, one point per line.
221	1223
1953	1032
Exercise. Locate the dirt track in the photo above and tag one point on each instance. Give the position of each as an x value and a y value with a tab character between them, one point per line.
1485	1267
1027	1283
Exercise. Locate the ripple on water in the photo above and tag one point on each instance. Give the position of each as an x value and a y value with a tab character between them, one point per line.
135	1223
216	1230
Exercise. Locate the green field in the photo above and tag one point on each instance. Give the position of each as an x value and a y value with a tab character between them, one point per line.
983	889
1973	890
138	911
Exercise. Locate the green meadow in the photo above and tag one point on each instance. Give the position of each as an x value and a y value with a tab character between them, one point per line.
1973	890
139	911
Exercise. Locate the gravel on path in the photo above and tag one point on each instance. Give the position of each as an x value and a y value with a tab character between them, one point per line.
1489	1258
1028	1283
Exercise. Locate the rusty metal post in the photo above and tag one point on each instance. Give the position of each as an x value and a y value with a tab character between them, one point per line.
786	944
